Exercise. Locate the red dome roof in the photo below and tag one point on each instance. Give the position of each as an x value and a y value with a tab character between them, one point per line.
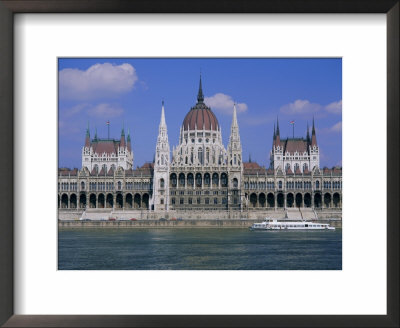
200	116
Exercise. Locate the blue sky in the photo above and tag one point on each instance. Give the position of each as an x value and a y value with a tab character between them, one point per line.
129	92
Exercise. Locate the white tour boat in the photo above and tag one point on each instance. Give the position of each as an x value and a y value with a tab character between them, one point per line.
273	224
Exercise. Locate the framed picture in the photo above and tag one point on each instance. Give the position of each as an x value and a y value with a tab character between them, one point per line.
52	275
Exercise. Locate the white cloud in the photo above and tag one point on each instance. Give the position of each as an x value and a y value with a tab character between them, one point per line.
337	127
74	110
98	81
105	111
303	106
334	107
224	103
300	106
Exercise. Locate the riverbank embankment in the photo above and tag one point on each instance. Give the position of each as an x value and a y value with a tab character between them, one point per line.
198	223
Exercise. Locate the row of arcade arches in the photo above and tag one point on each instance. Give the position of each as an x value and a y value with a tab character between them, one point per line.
135	201
213	180
319	200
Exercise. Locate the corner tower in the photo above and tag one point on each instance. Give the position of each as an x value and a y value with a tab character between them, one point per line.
161	167
235	165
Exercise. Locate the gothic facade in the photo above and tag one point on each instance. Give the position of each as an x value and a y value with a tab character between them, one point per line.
200	173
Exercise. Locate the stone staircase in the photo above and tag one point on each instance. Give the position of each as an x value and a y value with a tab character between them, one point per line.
309	214
293	214
97	214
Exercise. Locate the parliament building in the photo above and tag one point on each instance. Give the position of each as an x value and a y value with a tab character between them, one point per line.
200	173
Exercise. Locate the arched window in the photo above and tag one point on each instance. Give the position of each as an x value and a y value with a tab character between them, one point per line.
200	155
119	185
317	184
198	180
161	183
296	166
224	180
207	180
181	180
190	179
173	180
82	185
208	155
287	166
215	180
235	183
305	167
280	184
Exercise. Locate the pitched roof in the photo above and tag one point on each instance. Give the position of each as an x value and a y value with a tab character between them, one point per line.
293	145
253	168
66	171
107	146
289	171
337	171
270	171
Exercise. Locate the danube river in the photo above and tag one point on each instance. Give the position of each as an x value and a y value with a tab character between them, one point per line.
198	249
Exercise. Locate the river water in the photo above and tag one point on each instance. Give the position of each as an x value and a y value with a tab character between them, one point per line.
198	249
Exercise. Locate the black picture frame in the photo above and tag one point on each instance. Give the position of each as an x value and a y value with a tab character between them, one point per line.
7	10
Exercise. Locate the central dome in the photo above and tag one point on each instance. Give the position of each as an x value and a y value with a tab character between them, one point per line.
200	116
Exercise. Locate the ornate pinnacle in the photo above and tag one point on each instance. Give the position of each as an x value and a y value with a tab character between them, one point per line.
200	96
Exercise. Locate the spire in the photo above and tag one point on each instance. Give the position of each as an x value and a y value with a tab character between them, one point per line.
95	134
277	127
122	141
249	158
128	145
87	139
234	146
308	134
277	135
274	137
313	126
200	96
162	121
313	136
234	118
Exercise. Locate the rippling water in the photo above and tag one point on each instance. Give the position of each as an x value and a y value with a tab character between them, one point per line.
198	249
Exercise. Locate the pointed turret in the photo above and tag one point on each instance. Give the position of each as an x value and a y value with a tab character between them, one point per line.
95	134
274	137
200	96
128	142
278	136
122	141
234	118
308	134
87	139
235	146
313	136
161	166
162	120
